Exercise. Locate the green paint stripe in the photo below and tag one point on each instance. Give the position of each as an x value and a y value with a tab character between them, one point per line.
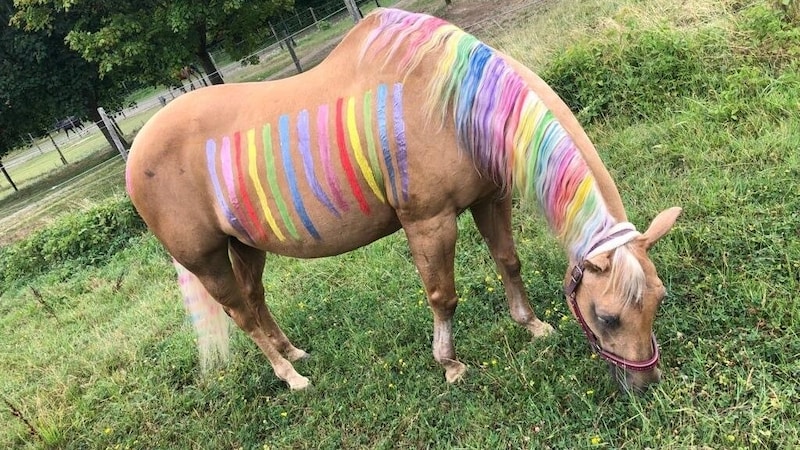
272	179
368	131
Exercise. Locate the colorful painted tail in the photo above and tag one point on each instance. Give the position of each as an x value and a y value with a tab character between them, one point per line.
208	318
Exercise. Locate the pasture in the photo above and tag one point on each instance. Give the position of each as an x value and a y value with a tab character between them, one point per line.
690	103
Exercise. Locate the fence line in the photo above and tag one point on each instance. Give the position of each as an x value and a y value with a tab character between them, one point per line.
39	157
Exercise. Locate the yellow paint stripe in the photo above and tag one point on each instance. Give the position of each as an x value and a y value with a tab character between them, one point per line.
262	197
358	152
578	200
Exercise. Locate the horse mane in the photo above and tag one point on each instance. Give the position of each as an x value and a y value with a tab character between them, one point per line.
507	129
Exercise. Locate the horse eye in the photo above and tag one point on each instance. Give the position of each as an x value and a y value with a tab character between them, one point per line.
609	321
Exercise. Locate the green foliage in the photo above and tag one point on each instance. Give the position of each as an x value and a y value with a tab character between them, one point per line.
634	72
86	238
640	72
120	369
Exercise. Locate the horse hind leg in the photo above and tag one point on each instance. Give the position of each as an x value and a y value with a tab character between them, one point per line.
248	265
231	275
493	219
433	243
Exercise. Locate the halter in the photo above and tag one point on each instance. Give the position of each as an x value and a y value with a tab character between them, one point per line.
619	235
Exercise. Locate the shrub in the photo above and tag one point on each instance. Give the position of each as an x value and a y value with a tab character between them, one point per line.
635	72
641	72
85	238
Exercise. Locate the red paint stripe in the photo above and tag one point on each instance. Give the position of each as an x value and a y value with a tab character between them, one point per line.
348	167
240	181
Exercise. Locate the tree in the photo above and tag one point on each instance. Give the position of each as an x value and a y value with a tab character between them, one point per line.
154	38
42	80
33	69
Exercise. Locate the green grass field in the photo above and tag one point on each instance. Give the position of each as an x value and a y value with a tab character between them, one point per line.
99	354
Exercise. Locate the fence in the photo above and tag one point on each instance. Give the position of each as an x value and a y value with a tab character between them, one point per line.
30	164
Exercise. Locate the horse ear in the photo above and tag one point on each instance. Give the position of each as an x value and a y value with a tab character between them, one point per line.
660	226
598	264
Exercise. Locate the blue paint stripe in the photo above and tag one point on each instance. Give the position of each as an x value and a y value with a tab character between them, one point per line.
283	124
384	137
304	141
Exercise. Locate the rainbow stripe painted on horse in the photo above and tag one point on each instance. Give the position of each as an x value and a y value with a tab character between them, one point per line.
236	172
499	121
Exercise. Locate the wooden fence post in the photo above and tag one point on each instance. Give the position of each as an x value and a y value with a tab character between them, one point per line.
36	144
354	11
60	155
8	177
113	132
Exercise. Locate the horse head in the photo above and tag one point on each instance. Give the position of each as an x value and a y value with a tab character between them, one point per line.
614	294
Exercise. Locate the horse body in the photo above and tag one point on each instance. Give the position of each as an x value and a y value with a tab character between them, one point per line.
353	150
71	123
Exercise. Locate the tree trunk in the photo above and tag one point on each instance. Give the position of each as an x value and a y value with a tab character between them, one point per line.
213	74
209	67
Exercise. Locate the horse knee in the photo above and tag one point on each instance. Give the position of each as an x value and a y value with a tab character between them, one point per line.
443	304
511	265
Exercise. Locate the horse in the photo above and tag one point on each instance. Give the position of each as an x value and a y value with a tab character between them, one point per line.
71	123
420	123
188	73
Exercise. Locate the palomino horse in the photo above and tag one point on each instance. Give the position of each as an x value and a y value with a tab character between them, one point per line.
407	123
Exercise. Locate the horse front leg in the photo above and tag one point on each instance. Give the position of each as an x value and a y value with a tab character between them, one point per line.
493	219
432	242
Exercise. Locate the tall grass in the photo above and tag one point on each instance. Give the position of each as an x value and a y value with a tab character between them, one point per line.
110	362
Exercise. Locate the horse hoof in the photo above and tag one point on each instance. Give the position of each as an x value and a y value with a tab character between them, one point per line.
540	329
299	383
454	370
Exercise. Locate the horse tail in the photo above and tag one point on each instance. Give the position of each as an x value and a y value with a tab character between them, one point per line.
209	320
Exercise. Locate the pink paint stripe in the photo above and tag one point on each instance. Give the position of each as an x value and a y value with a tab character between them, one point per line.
325	156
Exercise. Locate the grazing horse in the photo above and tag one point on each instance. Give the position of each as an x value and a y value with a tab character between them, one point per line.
407	123
188	73
71	123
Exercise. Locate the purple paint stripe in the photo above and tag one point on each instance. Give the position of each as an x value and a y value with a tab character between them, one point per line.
325	156
304	142
211	158
384	137
400	138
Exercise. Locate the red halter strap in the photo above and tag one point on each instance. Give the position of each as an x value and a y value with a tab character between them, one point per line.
570	290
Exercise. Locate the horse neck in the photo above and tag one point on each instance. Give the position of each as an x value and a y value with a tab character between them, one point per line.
542	150
604	182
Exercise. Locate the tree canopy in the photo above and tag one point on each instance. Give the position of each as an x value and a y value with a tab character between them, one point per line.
67	57
154	38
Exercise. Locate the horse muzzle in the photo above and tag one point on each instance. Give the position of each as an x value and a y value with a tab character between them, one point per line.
634	382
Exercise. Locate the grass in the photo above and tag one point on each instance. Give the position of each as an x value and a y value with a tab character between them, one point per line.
101	356
47	166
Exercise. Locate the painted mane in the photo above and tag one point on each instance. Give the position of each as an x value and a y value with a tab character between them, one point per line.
503	124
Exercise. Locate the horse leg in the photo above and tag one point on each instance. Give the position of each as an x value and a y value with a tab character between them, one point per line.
248	266
235	286
493	219
433	244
